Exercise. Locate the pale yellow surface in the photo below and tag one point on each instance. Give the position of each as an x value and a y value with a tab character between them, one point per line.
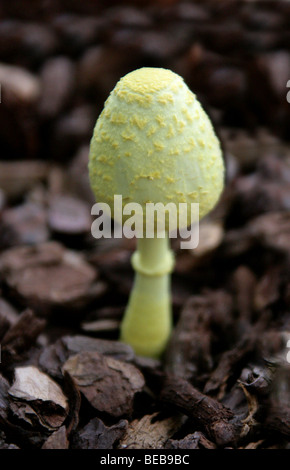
153	142
147	321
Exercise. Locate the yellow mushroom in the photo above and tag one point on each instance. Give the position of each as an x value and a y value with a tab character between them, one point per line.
153	141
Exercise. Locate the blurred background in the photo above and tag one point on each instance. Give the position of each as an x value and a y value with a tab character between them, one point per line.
59	60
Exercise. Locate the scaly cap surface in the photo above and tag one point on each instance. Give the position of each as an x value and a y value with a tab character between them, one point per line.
153	142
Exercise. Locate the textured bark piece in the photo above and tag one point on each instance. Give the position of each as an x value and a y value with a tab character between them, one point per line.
272	230
48	275
57	83
229	363
77	178
117	350
72	130
266	231
8	311
22	256
2	201
19	84
108	384
78	31
26	224
189	349
96	435
278	420
57	440
256	196
280	390
54	356
101	325
28	39
20	337
256	381
4	326
210	236
243	285
4	401
149	432
216	420
277	65
5	445
36	398
74	403
268	288
192	441
68	215
18	177
190	344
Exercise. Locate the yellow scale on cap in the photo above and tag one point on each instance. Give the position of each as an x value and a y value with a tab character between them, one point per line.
154	141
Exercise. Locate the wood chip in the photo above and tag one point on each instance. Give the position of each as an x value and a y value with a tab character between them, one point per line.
20	337
4	403
101	325
95	435
108	384
57	83
20	84
230	361
35	396
48	275
192	441
57	440
19	176
69	215
272	230
189	349
55	355
216	420
149	432
27	224
210	237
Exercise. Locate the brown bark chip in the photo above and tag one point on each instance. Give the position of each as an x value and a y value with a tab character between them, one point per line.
48	275
108	384
36	398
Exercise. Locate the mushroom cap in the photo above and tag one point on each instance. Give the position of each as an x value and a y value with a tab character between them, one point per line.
153	142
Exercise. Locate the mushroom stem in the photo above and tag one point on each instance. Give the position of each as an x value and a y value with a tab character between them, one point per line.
147	322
